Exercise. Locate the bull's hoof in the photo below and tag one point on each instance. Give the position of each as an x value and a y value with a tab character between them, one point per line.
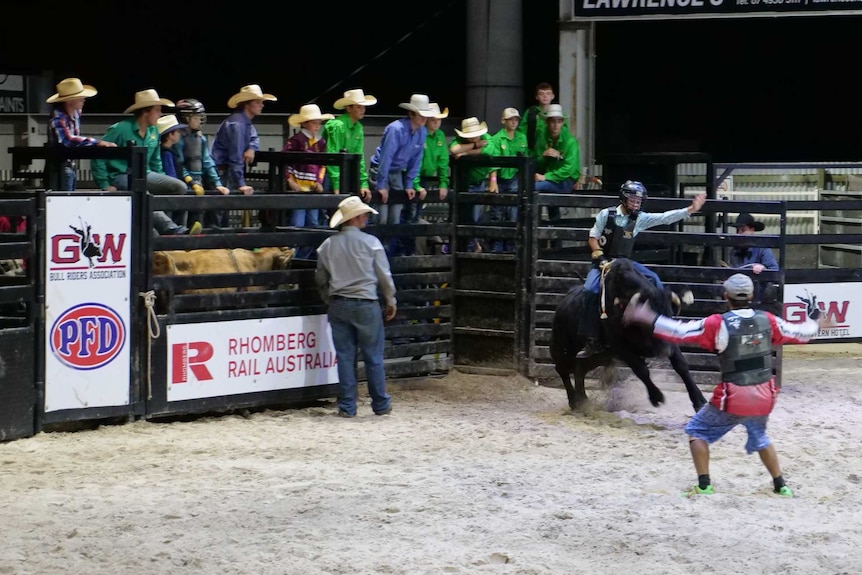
656	399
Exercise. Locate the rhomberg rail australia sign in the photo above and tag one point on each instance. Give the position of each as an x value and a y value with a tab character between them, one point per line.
630	9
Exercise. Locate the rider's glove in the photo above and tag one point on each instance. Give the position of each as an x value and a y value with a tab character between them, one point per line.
599	259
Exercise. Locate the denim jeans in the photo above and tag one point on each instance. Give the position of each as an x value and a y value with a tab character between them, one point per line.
69	178
162	223
592	283
547	186
358	323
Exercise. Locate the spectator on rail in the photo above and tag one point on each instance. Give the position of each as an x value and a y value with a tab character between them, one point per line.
197	168
236	141
506	142
170	132
351	267
64	128
395	163
141	130
532	125
756	259
346	134
434	169
306	177
613	235
744	339
558	158
471	140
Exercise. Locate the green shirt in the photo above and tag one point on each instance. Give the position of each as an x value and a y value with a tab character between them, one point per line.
474	175
435	159
121	133
502	145
541	127
557	170
342	133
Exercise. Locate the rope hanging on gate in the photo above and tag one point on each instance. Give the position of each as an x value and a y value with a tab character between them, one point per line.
152	320
154	332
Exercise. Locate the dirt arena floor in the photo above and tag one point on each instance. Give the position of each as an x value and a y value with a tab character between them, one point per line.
469	474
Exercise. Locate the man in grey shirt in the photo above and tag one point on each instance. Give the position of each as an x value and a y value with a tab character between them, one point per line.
351	267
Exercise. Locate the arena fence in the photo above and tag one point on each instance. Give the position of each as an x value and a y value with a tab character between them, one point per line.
91	332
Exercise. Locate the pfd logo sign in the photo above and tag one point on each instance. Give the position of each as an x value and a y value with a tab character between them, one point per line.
87	336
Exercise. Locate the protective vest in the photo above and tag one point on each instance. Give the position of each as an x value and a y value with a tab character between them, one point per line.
747	360
192	153
618	242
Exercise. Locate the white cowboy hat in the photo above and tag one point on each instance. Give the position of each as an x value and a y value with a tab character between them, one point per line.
348	209
420	104
354	97
472	127
147	98
71	88
555	111
306	113
510	113
248	93
437	113
169	123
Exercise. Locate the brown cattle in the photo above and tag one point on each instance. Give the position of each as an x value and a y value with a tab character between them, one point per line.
221	261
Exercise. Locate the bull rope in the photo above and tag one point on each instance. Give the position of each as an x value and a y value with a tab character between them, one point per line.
154	332
604	272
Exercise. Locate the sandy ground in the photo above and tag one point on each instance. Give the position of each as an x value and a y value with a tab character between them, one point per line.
470	474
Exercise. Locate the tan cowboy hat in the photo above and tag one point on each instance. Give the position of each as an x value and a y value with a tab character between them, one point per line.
306	113
510	113
354	97
248	93
168	124
348	209
71	88
437	113
420	104
147	98
472	127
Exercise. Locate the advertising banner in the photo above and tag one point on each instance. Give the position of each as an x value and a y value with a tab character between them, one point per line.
87	309
636	9
230	357
836	300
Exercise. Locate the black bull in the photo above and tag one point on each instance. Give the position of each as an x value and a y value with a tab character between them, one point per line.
628	343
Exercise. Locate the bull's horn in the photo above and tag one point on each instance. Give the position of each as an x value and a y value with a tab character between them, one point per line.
687	297
617	301
674	299
635	299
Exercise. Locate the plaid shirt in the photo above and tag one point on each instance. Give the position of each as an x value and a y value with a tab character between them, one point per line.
65	130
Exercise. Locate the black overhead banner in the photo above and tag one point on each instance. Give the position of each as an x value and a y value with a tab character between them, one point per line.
631	9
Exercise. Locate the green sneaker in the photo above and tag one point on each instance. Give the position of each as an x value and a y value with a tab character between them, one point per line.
784	492
196	229
696	490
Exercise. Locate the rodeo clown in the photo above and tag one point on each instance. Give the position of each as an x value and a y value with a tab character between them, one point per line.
613	235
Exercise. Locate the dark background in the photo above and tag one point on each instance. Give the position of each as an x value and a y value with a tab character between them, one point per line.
757	89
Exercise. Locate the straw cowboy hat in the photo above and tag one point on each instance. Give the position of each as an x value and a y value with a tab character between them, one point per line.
306	113
147	98
420	104
748	220
168	124
555	111
348	209
248	93
354	97
437	113
472	127
69	89
510	113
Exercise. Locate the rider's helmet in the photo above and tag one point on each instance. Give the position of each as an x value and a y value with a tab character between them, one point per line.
189	106
632	195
